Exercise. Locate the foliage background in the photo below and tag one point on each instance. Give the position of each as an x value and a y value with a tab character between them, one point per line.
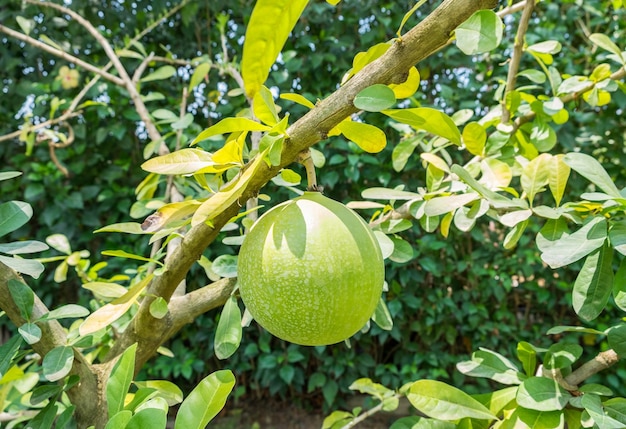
451	295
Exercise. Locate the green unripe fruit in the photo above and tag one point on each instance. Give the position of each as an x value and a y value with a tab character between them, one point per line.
311	271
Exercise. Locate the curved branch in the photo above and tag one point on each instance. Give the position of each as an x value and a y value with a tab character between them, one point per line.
601	362
420	42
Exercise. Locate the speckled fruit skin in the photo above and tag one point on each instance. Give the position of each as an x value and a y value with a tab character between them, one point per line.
311	271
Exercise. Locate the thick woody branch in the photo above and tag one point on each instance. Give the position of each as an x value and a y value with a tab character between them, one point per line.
420	42
53	335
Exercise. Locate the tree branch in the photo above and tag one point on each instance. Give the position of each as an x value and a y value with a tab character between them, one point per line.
601	362
61	54
127	82
420	42
516	57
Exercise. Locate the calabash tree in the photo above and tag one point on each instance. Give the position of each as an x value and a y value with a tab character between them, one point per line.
506	173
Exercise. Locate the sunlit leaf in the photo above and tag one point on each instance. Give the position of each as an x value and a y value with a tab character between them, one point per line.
230	125
112	311
183	161
535	176
474	138
382	317
409	86
427	119
488	364
594	284
442	401
205	401
589	167
542	394
297	98
14	214
267	31
558	176
264	107
571	248
199	74
482	32
368	137
607	44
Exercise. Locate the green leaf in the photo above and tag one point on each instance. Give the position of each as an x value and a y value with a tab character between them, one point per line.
382	317
119	420
617	339
8	350
148	418
607	44
402	250
368	137
375	98
158	308
30	332
269	26
22	247
571	248
560	329
428	119
225	266
441	401
589	167
389	194
24	266
442	205
558	176
199	74
535	176
125	227
594	284
14	214
496	200
264	107
474	138
120	379
68	311
44	418
616	408
402	152
161	73
41	393
482	32
183	122
539	419
617	237
106	291
23	297
528	356
488	364
205	401
593	405
542	394
230	125
498	400
126	255
619	286
6	175
562	355
165	389
228	332
57	363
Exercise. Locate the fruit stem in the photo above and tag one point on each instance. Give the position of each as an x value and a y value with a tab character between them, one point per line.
305	159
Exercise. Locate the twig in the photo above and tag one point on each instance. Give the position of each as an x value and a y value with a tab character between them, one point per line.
127	82
61	54
516	56
305	159
601	362
368	413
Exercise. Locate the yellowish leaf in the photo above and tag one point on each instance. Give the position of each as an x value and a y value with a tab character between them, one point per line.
270	24
409	86
183	161
264	107
559	173
297	98
436	161
219	201
368	137
230	125
169	213
112	311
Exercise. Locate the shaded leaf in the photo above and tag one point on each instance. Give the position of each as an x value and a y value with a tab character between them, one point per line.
23	297
571	248
164	72
228	332
594	284
382	317
562	355
617	339
14	214
589	167
205	401
57	363
441	401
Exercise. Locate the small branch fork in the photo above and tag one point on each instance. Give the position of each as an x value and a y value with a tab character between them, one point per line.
305	159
